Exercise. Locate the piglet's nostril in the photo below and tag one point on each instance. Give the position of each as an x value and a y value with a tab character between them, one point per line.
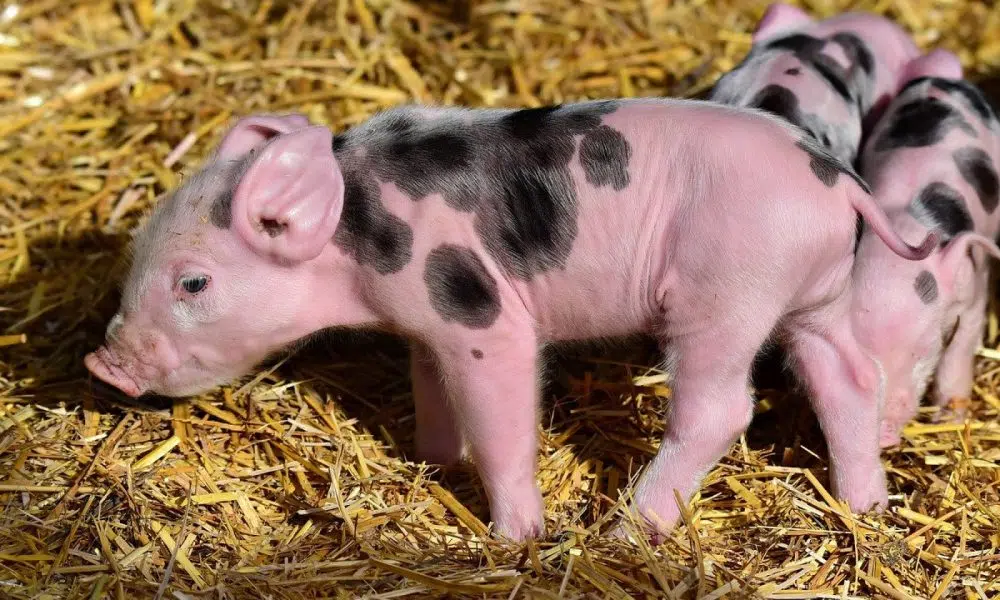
109	358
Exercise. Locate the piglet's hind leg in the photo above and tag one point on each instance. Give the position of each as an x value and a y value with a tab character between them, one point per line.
493	381
438	439
710	408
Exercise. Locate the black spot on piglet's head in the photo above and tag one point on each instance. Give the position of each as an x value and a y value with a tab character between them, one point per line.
461	289
926	287
221	212
966	90
857	51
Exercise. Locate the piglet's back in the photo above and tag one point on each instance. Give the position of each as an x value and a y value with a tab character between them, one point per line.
577	208
936	152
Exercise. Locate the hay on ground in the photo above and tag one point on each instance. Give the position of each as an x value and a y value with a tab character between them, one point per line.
295	483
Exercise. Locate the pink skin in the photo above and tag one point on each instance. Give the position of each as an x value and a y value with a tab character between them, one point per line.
711	247
906	334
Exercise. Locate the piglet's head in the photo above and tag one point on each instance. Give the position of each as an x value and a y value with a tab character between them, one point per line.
223	267
905	311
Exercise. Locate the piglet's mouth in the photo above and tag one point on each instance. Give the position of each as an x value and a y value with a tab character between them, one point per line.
102	365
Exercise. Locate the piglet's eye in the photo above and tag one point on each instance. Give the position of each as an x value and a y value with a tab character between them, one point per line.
193	285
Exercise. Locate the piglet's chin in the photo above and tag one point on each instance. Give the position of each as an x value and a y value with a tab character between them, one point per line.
102	366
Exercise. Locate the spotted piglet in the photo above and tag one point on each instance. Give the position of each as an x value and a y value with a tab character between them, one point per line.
830	77
932	161
480	235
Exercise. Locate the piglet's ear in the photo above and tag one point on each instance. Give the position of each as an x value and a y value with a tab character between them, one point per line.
288	203
251	132
936	63
779	18
955	254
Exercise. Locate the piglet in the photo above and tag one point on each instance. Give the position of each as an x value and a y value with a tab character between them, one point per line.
932	161
480	235
830	77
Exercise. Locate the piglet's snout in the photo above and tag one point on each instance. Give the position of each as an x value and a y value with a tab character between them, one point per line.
104	365
132	361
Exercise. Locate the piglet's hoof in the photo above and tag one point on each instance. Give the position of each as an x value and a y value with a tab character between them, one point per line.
874	500
519	519
641	523
864	490
622	532
953	411
518	531
888	435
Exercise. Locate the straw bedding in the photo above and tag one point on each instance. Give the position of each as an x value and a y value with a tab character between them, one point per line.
295	483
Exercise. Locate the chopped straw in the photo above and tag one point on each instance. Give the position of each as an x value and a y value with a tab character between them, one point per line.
297	481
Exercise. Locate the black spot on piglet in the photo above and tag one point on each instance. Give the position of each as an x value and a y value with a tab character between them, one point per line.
972	95
942	207
604	154
461	289
857	51
926	287
799	43
921	123
368	232
834	74
526	123
530	226
221	212
780	101
510	169
977	169
477	354
827	167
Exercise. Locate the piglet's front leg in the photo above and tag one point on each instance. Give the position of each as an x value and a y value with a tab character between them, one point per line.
845	391
492	379
956	369
438	439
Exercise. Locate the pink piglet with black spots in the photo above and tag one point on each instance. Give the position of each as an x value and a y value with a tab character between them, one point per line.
831	77
482	235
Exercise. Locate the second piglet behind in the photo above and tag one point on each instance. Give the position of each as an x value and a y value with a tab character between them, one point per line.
829	77
932	161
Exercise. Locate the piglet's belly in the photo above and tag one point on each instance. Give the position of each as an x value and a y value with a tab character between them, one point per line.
591	311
